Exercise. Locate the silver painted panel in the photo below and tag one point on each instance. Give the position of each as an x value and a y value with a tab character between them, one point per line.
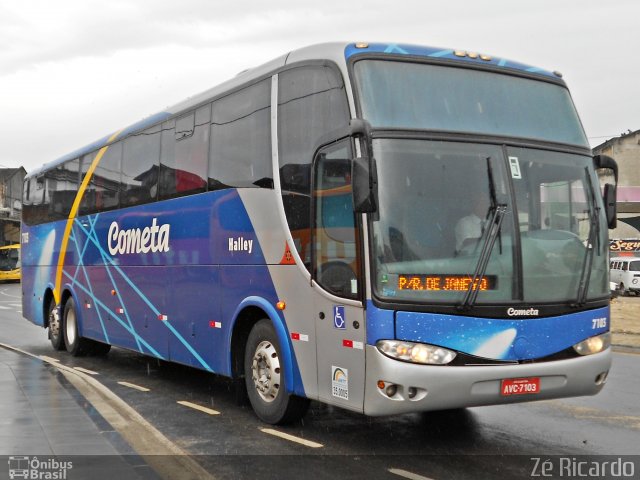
443	387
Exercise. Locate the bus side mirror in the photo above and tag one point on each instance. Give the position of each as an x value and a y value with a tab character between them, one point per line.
363	181
610	204
608	163
604	162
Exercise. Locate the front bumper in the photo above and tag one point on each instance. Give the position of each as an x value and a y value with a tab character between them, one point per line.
425	387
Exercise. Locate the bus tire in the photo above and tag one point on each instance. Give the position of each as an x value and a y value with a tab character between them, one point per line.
76	345
56	336
264	377
99	349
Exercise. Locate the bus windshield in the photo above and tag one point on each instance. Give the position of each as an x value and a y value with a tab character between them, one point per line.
431	97
436	199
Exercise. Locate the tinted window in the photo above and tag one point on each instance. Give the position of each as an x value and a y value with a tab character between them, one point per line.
418	96
311	103
241	139
334	235
49	197
185	146
103	190
140	167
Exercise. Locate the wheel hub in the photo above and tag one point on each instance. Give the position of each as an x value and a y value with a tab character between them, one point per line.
265	369
54	321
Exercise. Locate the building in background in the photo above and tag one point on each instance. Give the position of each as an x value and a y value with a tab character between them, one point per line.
625	149
11	180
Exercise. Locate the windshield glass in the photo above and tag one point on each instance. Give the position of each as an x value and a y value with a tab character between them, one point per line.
435	201
430	97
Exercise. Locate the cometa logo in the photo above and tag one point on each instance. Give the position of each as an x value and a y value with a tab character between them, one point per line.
135	240
524	312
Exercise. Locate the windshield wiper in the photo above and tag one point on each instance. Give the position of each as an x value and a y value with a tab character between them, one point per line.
494	223
593	243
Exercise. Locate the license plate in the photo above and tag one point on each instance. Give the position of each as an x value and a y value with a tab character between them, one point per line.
520	386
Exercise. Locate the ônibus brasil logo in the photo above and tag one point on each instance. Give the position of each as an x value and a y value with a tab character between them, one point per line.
34	468
135	240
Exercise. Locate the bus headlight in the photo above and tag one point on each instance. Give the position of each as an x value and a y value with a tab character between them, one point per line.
416	352
593	344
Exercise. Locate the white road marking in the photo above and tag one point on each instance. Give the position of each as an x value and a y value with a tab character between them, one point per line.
48	359
84	370
292	438
2	307
409	475
134	386
195	406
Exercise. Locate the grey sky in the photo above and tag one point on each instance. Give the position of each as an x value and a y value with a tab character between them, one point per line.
72	71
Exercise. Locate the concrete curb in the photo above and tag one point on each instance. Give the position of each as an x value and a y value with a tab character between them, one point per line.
166	458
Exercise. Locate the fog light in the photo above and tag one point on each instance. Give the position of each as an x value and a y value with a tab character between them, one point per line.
602	378
411	392
593	345
391	390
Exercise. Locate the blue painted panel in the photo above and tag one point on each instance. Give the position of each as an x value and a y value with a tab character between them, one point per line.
433	52
501	339
380	324
166	279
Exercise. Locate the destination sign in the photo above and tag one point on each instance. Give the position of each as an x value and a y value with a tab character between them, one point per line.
446	282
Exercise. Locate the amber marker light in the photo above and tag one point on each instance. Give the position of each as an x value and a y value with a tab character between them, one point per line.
281	305
381	385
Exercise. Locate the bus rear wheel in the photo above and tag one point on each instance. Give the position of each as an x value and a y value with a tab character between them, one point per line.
264	377
56	336
76	345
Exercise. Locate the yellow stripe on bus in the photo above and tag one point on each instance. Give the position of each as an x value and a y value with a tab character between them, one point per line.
72	216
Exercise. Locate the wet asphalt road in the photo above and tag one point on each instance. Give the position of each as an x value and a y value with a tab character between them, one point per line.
230	442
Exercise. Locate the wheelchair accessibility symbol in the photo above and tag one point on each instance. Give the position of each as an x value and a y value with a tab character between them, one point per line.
338	317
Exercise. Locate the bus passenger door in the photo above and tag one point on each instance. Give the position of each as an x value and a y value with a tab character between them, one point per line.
340	326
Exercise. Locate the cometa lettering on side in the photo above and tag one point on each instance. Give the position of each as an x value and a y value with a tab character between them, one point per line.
135	240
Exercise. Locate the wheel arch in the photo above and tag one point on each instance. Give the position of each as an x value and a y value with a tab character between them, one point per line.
248	313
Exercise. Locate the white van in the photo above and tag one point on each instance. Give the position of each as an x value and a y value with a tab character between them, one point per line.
625	272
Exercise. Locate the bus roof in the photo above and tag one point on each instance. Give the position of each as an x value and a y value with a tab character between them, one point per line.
339	53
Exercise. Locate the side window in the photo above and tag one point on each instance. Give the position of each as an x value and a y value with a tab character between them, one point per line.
140	167
34	208
335	257
625	266
103	190
185	147
241	139
57	189
311	103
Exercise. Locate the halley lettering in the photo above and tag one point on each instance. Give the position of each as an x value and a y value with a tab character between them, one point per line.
154	238
239	244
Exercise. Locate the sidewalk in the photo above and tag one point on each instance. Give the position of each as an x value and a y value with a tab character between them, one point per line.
625	323
47	426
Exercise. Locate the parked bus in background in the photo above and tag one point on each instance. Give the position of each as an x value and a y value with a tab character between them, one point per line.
295	228
10	263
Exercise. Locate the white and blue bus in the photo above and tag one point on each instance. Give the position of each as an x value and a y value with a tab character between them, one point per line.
383	228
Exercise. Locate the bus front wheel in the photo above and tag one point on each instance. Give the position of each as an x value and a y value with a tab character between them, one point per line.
264	377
